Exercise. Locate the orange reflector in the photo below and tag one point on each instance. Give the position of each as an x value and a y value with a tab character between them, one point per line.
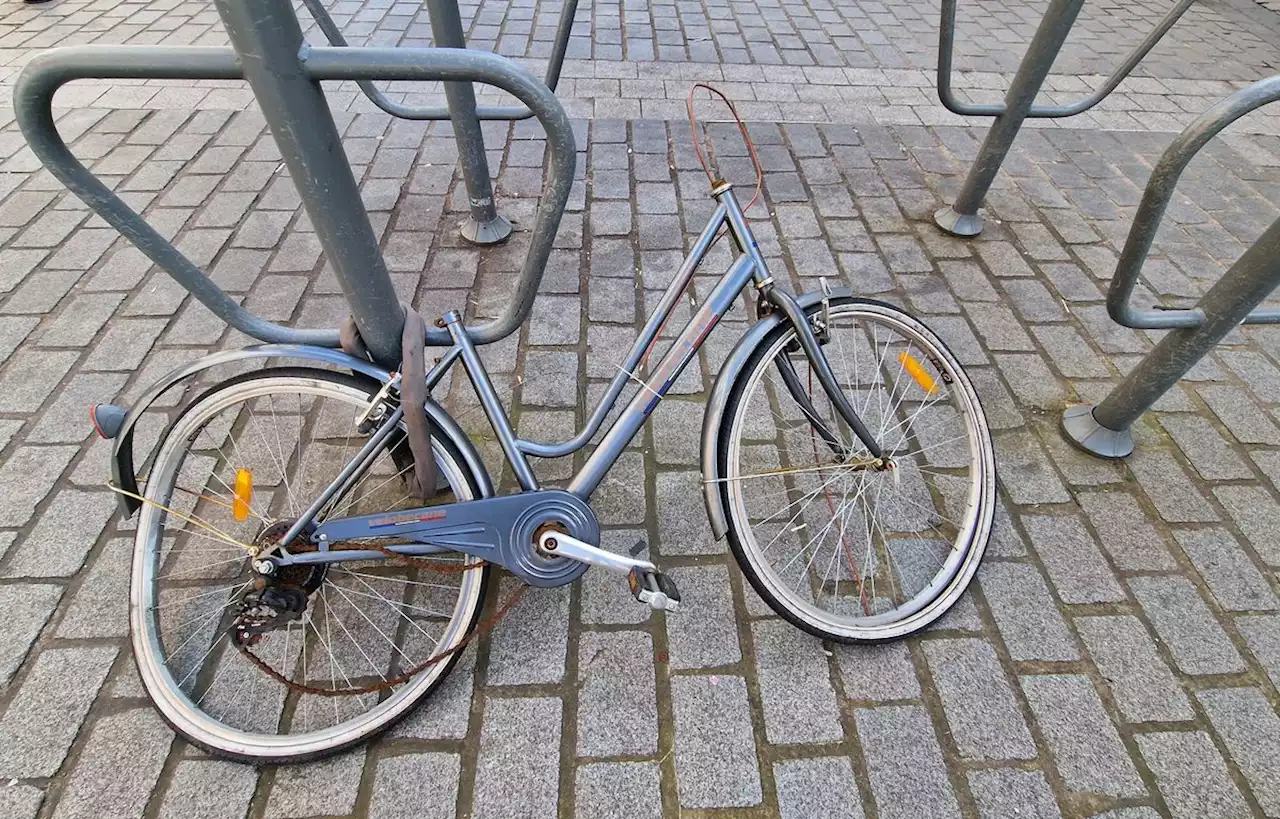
243	493
917	371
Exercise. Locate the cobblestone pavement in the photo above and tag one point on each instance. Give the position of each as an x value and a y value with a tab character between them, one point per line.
1119	655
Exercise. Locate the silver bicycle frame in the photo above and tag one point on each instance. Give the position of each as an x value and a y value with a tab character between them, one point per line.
748	267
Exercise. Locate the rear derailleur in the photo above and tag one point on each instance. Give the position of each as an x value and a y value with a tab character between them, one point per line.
273	601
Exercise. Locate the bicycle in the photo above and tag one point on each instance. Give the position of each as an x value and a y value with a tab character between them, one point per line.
845	456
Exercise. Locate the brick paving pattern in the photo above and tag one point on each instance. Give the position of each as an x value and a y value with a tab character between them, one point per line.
1119	654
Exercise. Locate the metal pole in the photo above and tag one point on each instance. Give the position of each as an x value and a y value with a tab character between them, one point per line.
267	40
485	227
1104	430
962	219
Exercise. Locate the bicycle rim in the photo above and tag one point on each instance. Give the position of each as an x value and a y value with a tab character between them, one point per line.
841	545
363	621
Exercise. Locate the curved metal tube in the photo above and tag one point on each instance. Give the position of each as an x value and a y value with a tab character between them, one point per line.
465	65
33	107
1155	198
440	112
946	47
41	78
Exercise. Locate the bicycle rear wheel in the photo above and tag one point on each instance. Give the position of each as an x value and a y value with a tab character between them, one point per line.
843	546
351	626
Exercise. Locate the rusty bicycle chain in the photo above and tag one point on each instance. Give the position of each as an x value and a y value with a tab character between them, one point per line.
483	626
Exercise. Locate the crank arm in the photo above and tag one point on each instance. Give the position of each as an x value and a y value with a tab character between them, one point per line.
553	543
647	584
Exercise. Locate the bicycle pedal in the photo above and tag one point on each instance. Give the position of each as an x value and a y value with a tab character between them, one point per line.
654	588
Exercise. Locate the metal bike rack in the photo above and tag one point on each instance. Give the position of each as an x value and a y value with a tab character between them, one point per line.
1104	430
486	226
962	218
268	50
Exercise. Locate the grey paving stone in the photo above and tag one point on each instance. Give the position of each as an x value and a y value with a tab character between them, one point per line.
1084	744
45	715
1125	531
1070	353
1251	730
67	530
530	645
1129	813
329	786
550	379
1076	567
795	685
27	607
682	517
1184	623
875	673
1025	472
1262	633
1025	613
904	763
1002	792
615	676
1207	453
100	608
519	741
714	747
1255	512
821	788
981	710
118	767
1031	380
209	789
449	710
19	801
1032	299
29	474
620	499
1174	494
1003	259
704	636
967	281
1143	686
418	784
998	328
1191	775
676	432
1236	584
618	790
1237	412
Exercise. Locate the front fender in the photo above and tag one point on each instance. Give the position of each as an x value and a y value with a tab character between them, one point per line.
714	415
122	462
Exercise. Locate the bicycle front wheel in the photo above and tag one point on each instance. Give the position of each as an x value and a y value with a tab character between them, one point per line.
236	468
843	545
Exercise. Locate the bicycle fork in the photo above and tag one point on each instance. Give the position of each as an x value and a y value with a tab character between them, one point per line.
818	360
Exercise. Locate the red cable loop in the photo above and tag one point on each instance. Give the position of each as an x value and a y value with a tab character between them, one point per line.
742	127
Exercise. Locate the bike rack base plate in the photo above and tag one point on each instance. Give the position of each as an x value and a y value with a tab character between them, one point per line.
495	231
1084	432
958	224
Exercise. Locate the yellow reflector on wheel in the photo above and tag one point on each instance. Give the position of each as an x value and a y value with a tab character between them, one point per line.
243	493
918	372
